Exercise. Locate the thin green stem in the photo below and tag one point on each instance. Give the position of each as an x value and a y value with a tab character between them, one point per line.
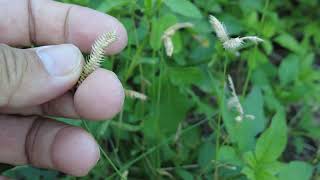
218	132
249	74
85	125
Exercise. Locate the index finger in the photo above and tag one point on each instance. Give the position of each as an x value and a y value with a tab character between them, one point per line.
43	22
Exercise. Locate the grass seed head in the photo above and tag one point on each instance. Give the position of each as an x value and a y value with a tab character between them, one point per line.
219	28
167	36
97	54
135	95
234	102
227	42
168	45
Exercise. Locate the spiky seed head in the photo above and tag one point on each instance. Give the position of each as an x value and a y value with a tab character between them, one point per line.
135	95
167	36
174	28
219	28
254	39
97	54
234	101
233	43
227	42
168	45
250	116
239	118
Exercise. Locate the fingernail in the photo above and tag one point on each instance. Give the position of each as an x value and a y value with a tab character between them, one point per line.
60	60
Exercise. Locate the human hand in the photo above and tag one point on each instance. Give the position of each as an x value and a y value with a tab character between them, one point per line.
35	83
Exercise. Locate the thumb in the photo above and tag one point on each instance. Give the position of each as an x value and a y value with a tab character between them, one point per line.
31	77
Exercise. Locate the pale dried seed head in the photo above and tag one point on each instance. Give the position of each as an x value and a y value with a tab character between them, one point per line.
174	28
168	45
233	43
230	43
135	95
239	118
254	39
250	116
97	54
219	28
167	36
234	101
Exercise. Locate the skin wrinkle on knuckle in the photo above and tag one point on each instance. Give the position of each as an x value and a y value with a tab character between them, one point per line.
31	23
30	139
34	143
66	25
14	63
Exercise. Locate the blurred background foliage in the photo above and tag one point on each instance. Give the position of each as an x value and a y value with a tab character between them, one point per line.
185	130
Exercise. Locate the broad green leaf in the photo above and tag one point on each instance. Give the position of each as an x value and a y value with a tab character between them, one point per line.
260	171
227	154
184	7
185	75
296	170
289	42
250	5
173	109
30	173
273	167
183	174
272	142
108	5
248	129
289	69
170	111
206	154
250	159
264	175
250	174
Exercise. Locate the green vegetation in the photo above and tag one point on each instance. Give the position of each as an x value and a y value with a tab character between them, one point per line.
185	130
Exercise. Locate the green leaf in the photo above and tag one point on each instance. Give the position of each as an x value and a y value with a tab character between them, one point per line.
296	170
261	174
108	5
227	154
30	173
273	141
249	5
289	69
185	75
185	175
289	42
250	159
171	110
248	129
206	154
249	173
184	7
264	175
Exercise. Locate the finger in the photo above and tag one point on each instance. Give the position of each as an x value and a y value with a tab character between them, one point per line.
47	144
32	77
63	106
26	22
99	97
4	178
